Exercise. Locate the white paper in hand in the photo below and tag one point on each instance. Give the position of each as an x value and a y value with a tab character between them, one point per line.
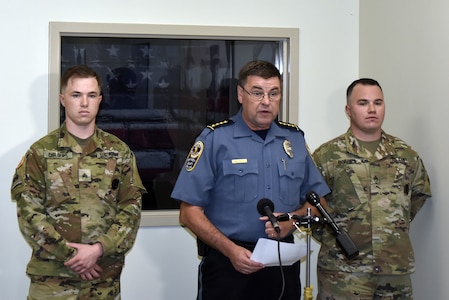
266	252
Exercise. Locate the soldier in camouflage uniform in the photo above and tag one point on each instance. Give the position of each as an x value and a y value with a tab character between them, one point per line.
79	197
378	185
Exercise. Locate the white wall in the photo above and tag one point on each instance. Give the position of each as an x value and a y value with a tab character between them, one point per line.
405	45
163	263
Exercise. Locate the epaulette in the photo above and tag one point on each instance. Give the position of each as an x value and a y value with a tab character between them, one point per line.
220	124
289	126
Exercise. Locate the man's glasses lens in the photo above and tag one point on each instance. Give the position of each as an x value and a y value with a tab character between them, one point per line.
259	95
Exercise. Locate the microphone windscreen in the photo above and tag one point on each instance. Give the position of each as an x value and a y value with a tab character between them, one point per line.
264	202
313	198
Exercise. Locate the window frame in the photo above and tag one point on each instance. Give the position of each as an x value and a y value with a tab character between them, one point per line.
289	37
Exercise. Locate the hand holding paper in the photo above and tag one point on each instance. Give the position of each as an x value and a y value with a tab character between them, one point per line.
266	252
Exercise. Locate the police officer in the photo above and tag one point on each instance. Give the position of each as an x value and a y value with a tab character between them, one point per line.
378	185
231	166
79	197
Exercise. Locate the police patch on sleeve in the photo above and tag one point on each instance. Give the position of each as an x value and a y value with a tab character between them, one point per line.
194	156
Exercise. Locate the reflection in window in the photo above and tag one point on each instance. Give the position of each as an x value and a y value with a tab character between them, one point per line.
158	94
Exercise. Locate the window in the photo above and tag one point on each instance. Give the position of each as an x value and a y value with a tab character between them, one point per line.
163	84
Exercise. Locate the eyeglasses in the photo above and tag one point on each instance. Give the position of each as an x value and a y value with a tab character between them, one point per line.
258	95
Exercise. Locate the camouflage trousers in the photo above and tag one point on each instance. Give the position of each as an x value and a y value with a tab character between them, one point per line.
336	285
63	288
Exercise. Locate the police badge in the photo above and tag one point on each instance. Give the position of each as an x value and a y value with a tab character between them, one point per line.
288	148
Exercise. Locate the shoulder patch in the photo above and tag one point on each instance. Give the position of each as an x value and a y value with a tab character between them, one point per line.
194	156
290	126
220	124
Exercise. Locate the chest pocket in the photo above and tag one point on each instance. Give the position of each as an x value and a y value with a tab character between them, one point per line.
109	182
243	177
350	184
393	183
60	181
290	178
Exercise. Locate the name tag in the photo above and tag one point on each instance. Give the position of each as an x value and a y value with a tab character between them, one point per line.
239	161
57	154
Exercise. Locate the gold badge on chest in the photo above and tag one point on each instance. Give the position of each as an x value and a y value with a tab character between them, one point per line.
288	148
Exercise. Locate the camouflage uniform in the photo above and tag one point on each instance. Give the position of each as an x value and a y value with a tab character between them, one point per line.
68	194
374	197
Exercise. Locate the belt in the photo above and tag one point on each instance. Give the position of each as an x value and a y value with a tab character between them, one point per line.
203	248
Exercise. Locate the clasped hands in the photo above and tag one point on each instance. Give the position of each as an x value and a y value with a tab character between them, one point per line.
84	262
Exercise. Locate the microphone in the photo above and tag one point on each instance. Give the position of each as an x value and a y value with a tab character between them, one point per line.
265	207
343	240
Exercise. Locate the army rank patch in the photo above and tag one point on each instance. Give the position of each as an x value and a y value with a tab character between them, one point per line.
194	156
84	175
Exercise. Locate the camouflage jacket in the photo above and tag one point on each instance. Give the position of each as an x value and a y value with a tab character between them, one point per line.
374	198
65	194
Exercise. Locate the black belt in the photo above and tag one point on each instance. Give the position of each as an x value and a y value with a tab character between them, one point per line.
247	245
203	248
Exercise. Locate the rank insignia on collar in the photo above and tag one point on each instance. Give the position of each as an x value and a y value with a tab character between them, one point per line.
288	148
194	155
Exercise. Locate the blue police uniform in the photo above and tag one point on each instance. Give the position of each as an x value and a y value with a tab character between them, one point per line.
230	168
